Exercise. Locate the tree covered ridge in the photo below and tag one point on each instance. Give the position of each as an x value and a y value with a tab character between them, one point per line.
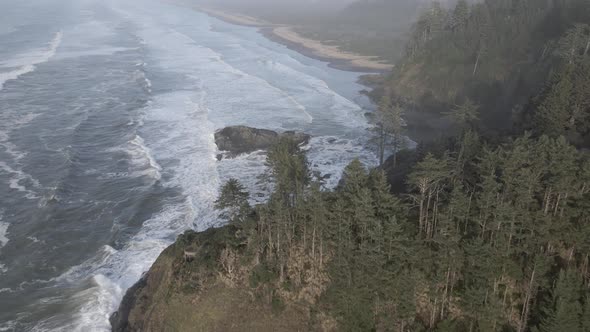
486	239
498	53
488	233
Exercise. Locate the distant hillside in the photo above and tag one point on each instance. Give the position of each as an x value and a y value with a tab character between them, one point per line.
368	27
498	54
372	28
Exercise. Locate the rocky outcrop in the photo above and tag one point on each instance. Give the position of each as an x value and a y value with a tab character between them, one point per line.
241	139
221	287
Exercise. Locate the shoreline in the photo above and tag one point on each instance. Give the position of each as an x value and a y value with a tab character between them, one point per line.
421	126
287	36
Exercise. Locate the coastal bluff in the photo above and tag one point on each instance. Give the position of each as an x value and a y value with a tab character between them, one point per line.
218	288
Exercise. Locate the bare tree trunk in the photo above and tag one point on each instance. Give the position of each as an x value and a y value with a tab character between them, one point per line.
546	201
524	316
505	295
321	250
444	298
304	234
571	255
421	217
585	268
313	242
544	51
381	144
427	222
476	63
563	206
557	205
466	218
269	226
433	315
511	234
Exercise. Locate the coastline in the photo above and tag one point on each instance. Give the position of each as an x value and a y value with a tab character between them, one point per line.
286	35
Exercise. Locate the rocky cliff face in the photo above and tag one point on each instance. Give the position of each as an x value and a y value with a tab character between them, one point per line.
217	288
241	139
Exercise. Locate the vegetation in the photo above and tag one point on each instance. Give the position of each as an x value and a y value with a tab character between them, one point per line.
487	239
373	28
489	232
499	55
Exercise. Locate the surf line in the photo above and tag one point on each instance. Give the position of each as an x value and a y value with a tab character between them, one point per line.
32	65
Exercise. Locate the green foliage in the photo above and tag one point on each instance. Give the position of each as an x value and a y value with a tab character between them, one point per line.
475	240
586	314
564	311
277	304
233	201
261	274
496	54
464	115
289	168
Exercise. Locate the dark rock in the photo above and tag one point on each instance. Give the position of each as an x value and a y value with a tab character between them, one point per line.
119	319
241	139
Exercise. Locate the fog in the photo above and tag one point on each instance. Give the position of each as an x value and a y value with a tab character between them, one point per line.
334	4
315	7
300	10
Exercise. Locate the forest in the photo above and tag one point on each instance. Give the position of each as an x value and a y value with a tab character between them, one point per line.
489	230
512	58
486	227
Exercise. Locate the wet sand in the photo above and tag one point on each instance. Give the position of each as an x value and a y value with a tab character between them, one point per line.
287	36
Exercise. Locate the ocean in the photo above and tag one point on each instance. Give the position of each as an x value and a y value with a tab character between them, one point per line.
108	110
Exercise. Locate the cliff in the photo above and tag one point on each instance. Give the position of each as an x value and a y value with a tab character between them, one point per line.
221	288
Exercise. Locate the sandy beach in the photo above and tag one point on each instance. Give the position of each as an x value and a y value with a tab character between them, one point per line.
235	18
313	48
324	51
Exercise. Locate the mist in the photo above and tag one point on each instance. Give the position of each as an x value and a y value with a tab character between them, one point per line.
281	4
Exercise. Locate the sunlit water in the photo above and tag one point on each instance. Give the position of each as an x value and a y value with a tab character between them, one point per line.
107	115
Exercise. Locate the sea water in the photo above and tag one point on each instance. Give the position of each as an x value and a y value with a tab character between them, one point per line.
108	111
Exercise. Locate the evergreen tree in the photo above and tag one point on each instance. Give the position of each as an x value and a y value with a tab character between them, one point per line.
233	201
290	170
564	312
553	112
464	115
586	315
459	16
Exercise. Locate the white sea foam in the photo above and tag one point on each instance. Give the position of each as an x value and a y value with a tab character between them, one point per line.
248	168
8	326
330	155
34	239
141	76
18	177
176	128
3	233
12	122
113	271
26	63
141	158
176	139
142	154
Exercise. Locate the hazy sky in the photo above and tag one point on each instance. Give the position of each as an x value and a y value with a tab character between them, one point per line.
336	4
281	3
